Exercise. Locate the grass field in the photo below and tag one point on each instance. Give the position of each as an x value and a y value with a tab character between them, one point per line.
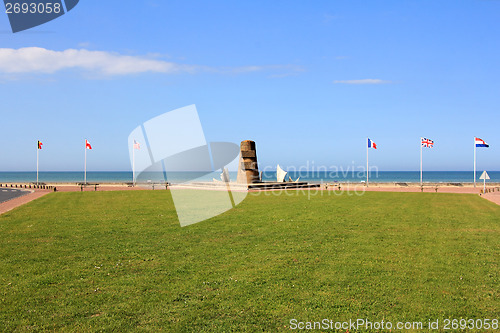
118	261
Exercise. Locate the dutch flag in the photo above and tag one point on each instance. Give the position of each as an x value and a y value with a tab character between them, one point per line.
480	143
372	144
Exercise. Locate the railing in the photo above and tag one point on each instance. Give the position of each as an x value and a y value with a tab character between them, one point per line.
30	186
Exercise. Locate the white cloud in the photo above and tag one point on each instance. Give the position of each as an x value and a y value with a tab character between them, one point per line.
40	60
36	60
363	81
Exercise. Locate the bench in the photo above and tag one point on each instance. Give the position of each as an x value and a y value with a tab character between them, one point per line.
84	185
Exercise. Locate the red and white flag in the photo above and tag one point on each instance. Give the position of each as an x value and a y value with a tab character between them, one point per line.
137	145
87	144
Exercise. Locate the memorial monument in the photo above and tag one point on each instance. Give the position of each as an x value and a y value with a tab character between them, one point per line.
248	169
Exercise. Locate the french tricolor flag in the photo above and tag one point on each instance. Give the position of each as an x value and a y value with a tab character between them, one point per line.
372	144
480	143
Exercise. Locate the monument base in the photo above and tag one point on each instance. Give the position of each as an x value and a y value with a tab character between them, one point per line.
246	187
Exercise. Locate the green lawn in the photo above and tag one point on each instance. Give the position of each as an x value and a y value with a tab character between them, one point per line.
119	261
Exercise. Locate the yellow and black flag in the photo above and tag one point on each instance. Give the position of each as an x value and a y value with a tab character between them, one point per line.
40	144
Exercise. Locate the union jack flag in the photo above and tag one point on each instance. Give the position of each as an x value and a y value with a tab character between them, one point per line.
427	143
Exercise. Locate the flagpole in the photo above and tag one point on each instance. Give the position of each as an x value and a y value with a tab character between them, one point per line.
484	186
367	170
133	164
85	170
37	149
474	161
421	183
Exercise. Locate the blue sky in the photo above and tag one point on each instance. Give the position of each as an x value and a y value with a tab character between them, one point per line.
308	81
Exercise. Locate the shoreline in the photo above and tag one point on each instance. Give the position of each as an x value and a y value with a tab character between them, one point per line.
310	176
330	182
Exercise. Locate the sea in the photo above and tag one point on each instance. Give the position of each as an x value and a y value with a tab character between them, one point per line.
309	176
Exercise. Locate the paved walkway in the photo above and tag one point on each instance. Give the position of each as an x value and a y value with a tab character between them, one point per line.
16	202
493	197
